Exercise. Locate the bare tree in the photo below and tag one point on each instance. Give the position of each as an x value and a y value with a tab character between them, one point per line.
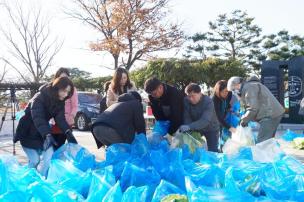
2	75
130	29
29	42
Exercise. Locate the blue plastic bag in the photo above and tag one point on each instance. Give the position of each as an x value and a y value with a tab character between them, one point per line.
165	188
114	194
136	194
290	135
211	194
21	178
70	177
116	156
133	175
161	127
233	120
204	174
102	182
244	153
81	157
208	157
280	182
140	146
174	171
118	152
14	177
160	144
240	179
236	107
159	161
3	178
290	165
169	166
46	192
15	196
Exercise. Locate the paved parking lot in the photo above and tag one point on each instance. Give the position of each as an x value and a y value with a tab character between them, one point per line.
86	140
6	146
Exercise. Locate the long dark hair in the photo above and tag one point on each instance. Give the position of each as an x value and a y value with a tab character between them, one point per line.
219	87
59	84
60	71
115	83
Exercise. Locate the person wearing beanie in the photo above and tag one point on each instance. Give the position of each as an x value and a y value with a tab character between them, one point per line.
260	105
121	121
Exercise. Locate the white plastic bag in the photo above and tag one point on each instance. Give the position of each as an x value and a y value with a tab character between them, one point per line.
267	151
231	147
186	138
241	138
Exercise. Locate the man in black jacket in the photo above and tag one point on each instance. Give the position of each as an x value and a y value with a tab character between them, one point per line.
166	102
120	122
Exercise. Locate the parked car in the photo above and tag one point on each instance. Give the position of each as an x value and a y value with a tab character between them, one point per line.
88	109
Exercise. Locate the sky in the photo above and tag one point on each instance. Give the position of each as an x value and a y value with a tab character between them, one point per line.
271	15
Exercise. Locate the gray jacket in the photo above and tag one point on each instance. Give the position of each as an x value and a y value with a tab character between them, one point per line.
201	117
259	102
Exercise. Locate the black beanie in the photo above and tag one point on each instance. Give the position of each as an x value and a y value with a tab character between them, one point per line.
136	95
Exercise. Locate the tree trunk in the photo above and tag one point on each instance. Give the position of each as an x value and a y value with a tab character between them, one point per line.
233	51
115	61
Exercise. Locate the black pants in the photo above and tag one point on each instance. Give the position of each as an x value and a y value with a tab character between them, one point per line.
212	138
107	135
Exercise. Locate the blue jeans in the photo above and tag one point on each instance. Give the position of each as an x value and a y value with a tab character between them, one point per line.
34	159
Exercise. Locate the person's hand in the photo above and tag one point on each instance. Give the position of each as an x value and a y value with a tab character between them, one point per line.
184	128
48	142
232	130
70	137
169	138
244	124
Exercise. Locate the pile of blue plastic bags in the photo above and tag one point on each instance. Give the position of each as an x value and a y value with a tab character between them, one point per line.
142	171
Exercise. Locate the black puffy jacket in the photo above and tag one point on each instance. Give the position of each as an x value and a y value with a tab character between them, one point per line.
126	117
169	106
34	125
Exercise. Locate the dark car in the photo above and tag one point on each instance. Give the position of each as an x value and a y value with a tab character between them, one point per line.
88	109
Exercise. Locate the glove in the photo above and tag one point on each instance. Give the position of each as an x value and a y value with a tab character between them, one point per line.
244	124
184	128
48	142
70	137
